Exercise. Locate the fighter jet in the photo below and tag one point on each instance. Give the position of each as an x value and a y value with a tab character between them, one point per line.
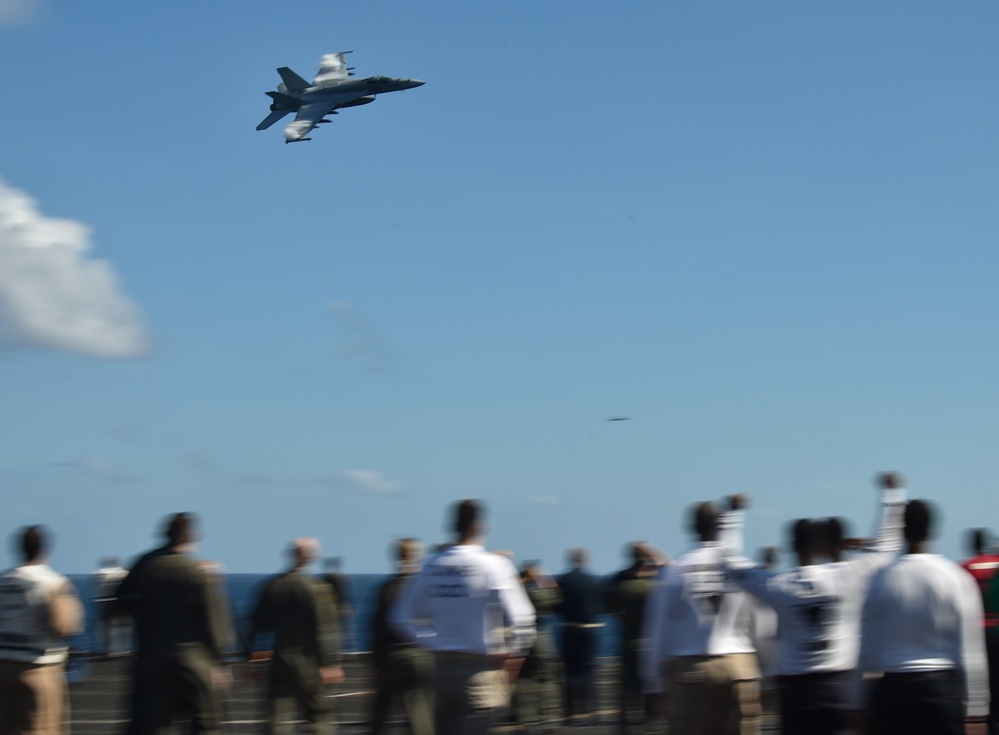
332	89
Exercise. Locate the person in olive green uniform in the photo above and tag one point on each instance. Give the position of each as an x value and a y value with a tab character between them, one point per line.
538	696
401	667
626	596
299	610
181	623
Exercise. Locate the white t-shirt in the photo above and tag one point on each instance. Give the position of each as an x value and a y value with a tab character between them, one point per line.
25	614
924	613
466	599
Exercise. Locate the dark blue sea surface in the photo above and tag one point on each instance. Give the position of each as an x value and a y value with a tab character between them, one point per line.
242	591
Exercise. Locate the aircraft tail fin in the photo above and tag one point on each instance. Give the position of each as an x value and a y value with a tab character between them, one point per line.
292	81
271	119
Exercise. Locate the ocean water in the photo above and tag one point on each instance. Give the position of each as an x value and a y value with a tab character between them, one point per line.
242	591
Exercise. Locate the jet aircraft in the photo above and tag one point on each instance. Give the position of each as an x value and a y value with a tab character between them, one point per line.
332	89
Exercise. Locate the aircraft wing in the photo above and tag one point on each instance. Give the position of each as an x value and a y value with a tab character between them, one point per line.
307	118
332	67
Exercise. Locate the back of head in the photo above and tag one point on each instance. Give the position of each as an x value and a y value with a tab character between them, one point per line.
467	519
32	544
978	540
578	558
704	521
406	552
803	538
304	551
918	521
179	529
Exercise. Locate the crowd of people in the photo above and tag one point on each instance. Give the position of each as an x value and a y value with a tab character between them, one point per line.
868	636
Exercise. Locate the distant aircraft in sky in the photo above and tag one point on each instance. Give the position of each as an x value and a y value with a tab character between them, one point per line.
619	418
332	89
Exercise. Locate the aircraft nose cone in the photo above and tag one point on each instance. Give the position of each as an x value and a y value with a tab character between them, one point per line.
416	83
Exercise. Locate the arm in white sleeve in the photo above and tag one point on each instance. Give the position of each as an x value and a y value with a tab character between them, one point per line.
888	536
517	609
730	530
973	656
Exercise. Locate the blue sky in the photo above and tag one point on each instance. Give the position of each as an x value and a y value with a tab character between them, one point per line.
765	231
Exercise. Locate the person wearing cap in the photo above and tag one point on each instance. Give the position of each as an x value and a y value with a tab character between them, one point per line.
39	609
468	606
299	611
983	567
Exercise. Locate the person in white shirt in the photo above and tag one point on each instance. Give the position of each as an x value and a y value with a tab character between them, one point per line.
39	609
818	611
922	626
115	624
461	606
699	652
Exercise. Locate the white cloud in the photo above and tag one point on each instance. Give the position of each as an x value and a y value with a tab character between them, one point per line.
544	501
19	12
369	481
52	295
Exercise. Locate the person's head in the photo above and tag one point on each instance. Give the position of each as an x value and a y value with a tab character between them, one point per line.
578	558
704	521
768	557
918	522
468	519
179	530
978	540
303	551
803	540
31	544
407	552
107	562
333	564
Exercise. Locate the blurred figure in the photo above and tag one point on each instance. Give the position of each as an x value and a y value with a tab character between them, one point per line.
922	626
343	597
299	610
982	566
402	669
461	606
39	609
627	596
115	625
580	610
538	699
817	606
697	625
182	621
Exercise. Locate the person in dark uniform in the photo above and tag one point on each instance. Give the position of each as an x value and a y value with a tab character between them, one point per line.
626	597
579	609
182	622
538	701
401	667
343	596
299	610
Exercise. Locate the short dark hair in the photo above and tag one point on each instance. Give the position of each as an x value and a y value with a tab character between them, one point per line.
978	539
179	528
704	520
467	515
918	520
33	543
803	536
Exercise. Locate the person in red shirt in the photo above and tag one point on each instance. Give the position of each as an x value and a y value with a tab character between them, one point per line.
983	567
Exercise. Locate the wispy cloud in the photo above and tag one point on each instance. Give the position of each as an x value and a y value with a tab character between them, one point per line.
370	482
53	295
15	13
96	467
361	342
127	432
544	501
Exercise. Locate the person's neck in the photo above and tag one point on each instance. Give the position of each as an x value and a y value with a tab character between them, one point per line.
469	541
917	547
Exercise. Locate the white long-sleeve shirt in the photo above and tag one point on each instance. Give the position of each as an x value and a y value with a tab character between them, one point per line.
694	611
819	605
924	613
26	595
465	600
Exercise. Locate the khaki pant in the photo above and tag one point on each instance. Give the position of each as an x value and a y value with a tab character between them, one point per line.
468	689
33	699
715	695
